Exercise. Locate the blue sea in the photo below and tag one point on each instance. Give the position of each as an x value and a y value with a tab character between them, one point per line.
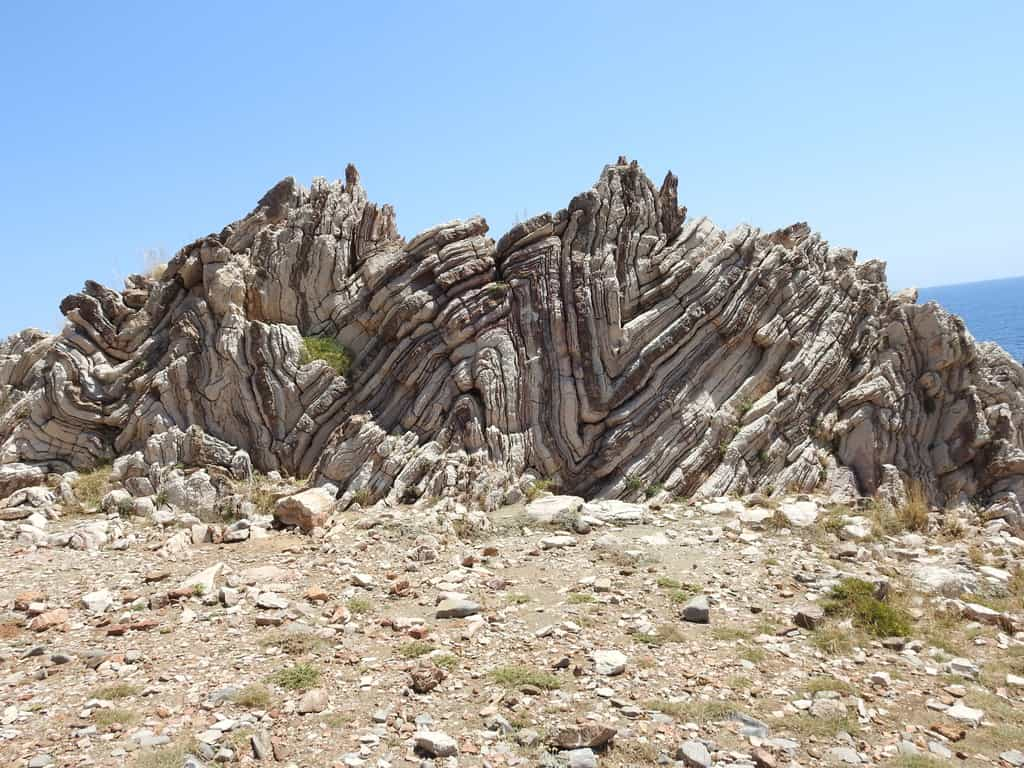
993	310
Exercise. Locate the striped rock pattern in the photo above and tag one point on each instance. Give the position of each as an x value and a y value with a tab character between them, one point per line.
614	346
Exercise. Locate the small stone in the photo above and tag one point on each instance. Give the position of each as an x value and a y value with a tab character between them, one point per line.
436	744
697	611
557	542
965	714
844	755
98	602
261	745
809	616
41	760
609	663
313	701
454	608
694	754
592	735
582	758
49	620
1014	757
271	601
363	580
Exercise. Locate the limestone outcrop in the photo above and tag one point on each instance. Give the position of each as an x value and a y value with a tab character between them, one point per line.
616	347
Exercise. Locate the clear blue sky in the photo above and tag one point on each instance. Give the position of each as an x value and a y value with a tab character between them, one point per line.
894	128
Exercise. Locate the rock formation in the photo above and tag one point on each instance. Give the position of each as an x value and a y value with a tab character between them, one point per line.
616	347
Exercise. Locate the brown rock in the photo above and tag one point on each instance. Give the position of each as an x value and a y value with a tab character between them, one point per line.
54	619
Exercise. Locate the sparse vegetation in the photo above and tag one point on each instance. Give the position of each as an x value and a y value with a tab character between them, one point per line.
254	696
855	598
806	725
299	677
518	677
115	692
666	633
294	643
579	598
634	482
818	684
538	488
914	514
832	640
171	756
359	606
329	350
448	661
694	711
104	718
93	485
517	599
415	649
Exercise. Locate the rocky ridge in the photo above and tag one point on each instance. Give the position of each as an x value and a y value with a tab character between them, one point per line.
617	348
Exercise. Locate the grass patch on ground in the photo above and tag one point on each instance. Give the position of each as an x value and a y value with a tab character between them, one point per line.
105	718
663	635
754	654
834	641
855	598
806	725
255	696
517	599
917	761
359	606
294	643
115	691
697	711
448	661
818	684
517	677
327	349
92	486
415	649
579	598
727	632
299	677
171	756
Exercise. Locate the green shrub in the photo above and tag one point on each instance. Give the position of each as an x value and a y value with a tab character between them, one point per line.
299	677
517	677
856	599
327	349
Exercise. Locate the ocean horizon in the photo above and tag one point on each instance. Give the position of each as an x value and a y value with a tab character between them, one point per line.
992	309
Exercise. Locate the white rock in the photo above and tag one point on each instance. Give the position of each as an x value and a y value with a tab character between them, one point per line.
609	663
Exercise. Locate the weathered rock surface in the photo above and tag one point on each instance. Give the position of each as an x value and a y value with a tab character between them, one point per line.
616	346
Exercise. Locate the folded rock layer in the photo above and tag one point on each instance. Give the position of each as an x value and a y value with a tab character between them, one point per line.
616	346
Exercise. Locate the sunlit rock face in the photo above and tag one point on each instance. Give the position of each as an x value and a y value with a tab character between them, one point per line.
614	346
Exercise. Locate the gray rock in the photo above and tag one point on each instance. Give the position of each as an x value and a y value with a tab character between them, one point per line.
436	743
453	608
697	610
313	701
582	758
609	663
694	754
571	344
307	510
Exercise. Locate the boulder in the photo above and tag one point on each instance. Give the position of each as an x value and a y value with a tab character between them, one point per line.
308	509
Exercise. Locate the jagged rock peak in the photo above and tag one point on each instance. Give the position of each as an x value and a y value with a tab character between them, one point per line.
616	346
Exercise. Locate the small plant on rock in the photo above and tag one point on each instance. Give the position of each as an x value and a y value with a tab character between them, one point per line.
329	350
